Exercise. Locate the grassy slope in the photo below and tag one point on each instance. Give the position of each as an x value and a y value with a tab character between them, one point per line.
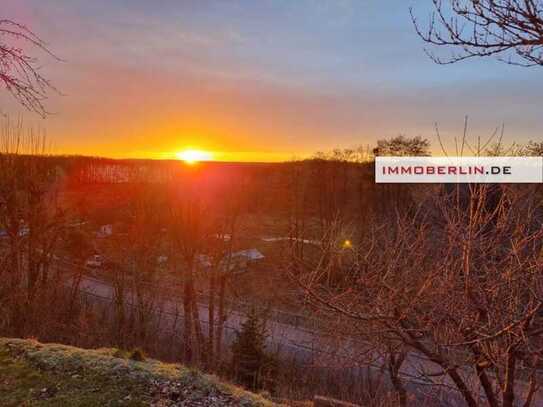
35	374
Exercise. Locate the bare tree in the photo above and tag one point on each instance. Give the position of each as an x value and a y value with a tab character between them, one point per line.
19	72
32	224
456	294
135	267
512	30
189	228
220	254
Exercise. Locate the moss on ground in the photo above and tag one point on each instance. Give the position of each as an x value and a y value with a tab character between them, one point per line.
36	374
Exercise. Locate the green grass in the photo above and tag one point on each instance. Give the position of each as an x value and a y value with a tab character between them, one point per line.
23	383
35	374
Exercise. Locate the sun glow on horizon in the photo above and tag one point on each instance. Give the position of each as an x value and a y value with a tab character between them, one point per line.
192	156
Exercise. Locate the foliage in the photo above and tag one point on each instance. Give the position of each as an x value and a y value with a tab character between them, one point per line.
534	149
402	146
250	362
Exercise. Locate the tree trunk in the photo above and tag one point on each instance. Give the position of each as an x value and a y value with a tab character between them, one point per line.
532	390
222	317
200	345
187	323
394	364
211	320
509	390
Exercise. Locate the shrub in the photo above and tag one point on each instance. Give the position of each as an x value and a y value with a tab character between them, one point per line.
137	354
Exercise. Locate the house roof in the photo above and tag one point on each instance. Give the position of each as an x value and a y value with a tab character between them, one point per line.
251	254
248	254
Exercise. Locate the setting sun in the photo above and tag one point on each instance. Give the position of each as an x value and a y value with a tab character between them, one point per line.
193	156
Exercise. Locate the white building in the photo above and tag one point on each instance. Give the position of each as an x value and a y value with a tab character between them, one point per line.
236	263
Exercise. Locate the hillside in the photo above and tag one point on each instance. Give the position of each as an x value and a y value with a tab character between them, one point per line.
32	373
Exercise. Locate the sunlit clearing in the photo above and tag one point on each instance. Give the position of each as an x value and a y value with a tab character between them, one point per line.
194	156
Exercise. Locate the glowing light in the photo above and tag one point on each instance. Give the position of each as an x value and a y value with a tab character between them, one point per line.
194	156
347	244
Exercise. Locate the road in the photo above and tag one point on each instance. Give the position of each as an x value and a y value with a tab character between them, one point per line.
297	342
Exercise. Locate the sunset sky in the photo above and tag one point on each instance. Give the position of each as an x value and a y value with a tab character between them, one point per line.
258	80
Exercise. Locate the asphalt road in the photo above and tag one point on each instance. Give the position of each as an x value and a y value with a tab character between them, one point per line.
302	344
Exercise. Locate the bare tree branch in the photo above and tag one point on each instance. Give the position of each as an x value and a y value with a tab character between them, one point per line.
512	30
20	72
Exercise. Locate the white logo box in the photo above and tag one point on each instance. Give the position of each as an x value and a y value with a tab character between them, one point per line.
401	170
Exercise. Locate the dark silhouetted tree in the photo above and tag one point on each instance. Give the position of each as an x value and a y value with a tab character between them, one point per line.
534	149
249	359
402	146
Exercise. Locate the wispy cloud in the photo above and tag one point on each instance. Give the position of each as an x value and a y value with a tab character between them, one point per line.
273	75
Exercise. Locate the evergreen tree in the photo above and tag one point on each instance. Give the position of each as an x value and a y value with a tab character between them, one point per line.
250	363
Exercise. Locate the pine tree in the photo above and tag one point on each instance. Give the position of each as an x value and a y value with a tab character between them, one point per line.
249	359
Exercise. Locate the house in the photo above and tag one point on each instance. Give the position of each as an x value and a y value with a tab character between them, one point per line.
225	237
95	261
241	261
237	263
249	254
23	231
104	231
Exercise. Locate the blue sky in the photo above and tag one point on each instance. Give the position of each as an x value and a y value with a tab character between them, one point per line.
267	79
